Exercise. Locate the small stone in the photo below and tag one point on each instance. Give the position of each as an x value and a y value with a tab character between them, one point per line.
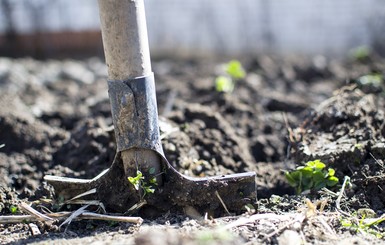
290	237
34	229
171	147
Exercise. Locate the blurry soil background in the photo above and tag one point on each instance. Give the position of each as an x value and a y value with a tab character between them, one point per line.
55	119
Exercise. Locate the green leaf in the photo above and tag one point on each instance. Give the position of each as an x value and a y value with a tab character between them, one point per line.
307	172
153	181
235	70
290	178
311	176
135	181
297	175
310	164
224	84
151	170
298	190
138	175
317	164
148	189
377	222
319	185
360	52
371	79
332	181
346	223
318	177
13	209
307	183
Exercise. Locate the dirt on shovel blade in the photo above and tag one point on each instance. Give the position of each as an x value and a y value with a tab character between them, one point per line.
55	119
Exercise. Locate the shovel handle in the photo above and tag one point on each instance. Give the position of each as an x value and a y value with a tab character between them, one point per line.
125	40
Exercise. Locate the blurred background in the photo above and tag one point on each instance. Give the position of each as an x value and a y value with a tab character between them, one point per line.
70	28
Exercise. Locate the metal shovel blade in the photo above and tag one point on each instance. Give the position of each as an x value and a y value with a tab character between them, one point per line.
178	191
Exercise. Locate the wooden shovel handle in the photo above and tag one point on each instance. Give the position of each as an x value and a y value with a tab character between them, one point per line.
125	40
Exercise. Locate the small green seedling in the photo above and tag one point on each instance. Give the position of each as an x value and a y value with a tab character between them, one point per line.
312	176
139	182
360	53
373	80
136	181
13	209
358	146
234	72
224	84
364	224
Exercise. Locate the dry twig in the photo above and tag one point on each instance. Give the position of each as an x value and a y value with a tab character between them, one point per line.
222	202
322	220
12	219
338	201
74	215
94	216
39	216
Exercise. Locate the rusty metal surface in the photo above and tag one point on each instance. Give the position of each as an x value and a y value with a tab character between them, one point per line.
135	114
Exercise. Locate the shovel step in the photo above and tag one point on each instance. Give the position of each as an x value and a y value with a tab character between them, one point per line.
178	191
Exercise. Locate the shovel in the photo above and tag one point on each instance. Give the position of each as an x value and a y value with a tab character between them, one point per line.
140	173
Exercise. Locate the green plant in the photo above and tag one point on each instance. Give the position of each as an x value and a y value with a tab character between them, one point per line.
135	181
364	225
234	72
13	209
358	146
312	176
224	84
360	53
139	182
373	80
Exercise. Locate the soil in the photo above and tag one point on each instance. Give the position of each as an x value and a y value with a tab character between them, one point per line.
55	119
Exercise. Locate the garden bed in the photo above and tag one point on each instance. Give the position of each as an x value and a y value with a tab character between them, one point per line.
55	119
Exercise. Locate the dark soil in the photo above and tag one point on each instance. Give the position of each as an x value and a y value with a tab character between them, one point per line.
55	119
